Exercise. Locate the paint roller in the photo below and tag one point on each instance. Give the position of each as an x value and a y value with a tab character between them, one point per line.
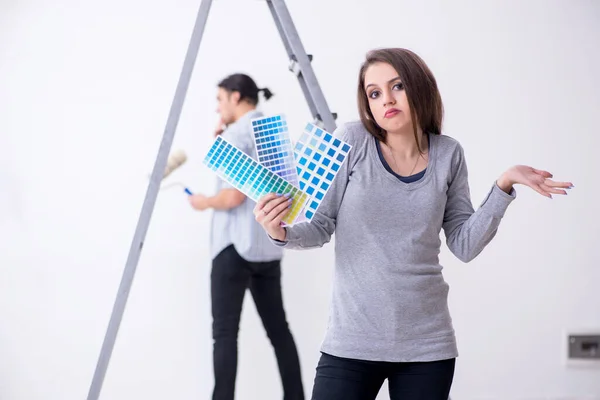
175	160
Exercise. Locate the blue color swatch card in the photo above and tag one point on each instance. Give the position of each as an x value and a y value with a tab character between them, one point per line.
318	156
251	178
306	170
274	147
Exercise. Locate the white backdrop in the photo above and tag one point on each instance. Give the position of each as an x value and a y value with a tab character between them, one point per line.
85	90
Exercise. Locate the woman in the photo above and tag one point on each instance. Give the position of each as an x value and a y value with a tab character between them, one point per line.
402	183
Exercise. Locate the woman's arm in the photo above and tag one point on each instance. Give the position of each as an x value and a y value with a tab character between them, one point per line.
468	231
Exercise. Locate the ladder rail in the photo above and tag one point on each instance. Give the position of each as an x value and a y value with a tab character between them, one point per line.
306	75
317	105
149	201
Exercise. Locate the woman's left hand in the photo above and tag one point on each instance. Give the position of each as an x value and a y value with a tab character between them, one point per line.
534	178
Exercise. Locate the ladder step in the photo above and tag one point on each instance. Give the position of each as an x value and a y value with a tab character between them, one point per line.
319	122
294	66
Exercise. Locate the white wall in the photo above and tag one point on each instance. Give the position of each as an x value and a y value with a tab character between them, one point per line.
85	90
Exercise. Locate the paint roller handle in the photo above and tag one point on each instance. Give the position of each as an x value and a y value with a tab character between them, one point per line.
173	184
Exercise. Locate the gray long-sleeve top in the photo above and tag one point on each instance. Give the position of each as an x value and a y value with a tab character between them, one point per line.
390	300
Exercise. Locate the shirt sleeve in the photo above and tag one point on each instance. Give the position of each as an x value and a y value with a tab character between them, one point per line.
468	231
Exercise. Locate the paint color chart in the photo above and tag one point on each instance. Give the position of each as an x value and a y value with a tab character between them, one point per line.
251	178
306	170
318	156
274	146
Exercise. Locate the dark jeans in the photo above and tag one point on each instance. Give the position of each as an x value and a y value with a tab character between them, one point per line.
231	276
347	379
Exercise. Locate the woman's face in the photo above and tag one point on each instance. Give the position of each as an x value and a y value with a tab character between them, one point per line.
387	98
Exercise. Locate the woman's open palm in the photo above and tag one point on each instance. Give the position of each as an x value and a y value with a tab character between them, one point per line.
538	180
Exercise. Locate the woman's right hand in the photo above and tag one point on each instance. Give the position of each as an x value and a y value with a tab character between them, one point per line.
270	211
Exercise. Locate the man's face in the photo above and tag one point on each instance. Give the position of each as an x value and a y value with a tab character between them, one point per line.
226	104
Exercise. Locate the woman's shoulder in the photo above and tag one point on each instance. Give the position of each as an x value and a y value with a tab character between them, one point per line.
446	142
354	133
449	153
447	147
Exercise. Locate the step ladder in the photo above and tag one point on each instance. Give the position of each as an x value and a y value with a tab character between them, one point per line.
300	65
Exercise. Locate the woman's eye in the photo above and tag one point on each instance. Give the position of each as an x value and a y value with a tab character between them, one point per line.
399	86
374	94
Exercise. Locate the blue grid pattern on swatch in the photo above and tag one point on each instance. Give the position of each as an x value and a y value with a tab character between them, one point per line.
251	178
274	147
319	156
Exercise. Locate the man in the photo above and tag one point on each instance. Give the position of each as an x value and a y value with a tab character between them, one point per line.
242	255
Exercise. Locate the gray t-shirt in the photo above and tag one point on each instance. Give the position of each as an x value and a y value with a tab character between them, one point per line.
238	225
390	300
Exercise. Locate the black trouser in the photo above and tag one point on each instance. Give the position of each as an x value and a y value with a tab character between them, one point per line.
231	276
347	379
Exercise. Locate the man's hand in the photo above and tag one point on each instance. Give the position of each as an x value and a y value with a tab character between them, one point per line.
220	128
226	199
198	202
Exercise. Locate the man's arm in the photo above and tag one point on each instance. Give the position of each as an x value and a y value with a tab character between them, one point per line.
226	199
